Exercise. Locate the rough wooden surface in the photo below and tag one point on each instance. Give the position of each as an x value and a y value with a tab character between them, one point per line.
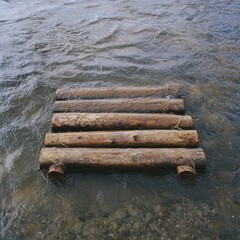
136	138
118	121
135	105
119	92
123	157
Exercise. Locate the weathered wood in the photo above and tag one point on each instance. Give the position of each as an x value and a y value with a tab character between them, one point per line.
186	172
118	121
136	138
119	92
136	105
122	158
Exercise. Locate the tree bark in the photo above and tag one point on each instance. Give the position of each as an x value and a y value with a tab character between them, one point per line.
137	138
119	92
137	105
118	121
122	158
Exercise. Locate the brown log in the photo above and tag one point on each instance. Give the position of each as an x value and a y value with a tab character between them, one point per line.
136	138
57	171
136	105
118	121
186	172
122	157
119	92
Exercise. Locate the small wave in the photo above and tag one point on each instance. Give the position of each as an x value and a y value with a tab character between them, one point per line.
109	35
1	173
11	158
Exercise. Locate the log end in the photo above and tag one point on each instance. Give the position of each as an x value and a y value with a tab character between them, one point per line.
57	171
186	172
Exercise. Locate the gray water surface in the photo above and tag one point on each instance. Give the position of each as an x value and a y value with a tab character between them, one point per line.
45	45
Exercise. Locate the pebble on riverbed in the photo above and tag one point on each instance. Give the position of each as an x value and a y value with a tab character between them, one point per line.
177	219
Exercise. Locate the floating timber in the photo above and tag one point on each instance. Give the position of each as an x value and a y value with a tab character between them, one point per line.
124	158
118	121
121	127
168	90
136	105
135	138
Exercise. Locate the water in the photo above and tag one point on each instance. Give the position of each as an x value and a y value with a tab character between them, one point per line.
45	45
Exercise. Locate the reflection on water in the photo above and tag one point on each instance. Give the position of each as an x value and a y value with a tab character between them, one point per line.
50	44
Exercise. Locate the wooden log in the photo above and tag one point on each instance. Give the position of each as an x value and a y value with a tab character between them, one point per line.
186	172
136	138
118	121
136	105
57	171
122	158
119	92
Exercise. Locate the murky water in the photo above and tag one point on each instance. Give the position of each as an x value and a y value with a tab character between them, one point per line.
45	45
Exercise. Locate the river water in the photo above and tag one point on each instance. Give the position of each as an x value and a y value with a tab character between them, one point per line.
45	45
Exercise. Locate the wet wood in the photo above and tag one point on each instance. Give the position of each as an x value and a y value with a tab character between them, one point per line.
57	170
136	105
119	92
122	158
118	121
136	138
186	172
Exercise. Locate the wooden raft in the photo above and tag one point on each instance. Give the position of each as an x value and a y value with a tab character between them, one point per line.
133	127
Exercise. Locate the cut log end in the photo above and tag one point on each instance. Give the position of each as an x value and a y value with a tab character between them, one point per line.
186	172
57	171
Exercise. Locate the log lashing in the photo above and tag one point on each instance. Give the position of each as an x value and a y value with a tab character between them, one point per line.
134	138
135	105
174	90
79	158
118	121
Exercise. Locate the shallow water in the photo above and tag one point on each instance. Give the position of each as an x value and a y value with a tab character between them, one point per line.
45	45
